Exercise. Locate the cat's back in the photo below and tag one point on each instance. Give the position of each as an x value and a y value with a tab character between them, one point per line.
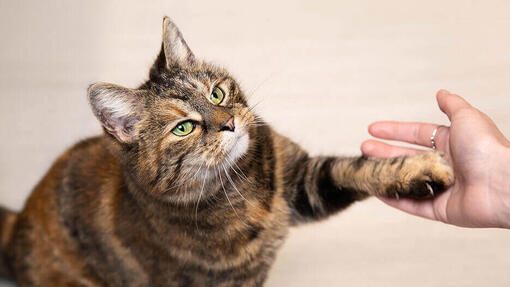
65	202
82	169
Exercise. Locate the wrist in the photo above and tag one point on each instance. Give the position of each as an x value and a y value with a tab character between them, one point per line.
500	186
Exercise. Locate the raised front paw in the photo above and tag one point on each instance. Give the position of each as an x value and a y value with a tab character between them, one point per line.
421	176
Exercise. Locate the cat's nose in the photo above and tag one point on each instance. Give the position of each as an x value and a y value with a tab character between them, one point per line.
228	125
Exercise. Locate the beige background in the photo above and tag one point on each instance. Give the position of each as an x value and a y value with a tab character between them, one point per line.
321	70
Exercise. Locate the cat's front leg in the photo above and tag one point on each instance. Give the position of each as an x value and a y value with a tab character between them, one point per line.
316	187
418	176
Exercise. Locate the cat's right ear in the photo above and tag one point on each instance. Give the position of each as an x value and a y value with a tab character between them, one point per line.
118	109
174	50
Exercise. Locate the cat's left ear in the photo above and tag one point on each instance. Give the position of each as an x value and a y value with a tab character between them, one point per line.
174	47
118	109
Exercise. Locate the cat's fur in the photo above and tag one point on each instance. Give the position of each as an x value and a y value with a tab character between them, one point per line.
141	206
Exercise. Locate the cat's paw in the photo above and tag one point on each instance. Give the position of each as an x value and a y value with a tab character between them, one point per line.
421	176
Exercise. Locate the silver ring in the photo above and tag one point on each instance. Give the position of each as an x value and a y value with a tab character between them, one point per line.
433	137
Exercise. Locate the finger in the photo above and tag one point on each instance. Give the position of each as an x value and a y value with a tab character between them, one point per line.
374	148
450	103
414	133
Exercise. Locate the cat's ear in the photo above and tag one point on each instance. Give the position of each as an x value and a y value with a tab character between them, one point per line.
174	48
118	109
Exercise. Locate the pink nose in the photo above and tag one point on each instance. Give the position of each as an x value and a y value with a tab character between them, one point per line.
228	125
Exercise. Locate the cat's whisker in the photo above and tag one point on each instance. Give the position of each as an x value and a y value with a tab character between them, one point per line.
200	196
226	195
252	107
234	186
232	164
257	122
183	179
192	179
199	168
240	174
257	119
255	125
252	92
179	182
246	113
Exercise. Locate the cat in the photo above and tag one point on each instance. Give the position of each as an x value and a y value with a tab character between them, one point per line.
187	186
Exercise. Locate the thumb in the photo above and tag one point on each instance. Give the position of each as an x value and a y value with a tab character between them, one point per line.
450	103
421	208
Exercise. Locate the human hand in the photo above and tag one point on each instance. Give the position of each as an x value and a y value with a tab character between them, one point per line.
478	152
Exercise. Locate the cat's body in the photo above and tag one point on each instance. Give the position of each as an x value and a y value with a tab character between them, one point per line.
185	189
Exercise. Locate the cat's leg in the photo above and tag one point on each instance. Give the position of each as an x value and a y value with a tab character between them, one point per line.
320	186
418	176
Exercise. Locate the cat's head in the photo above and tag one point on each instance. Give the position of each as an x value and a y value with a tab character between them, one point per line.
189	120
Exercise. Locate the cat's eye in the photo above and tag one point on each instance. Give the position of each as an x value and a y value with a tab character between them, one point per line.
216	96
183	129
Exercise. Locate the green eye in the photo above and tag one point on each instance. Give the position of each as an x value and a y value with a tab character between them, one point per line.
217	96
183	129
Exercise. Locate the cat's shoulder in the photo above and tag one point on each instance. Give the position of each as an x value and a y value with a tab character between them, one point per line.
88	158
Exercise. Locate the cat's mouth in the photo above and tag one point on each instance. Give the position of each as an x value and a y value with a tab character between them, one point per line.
235	144
232	147
239	147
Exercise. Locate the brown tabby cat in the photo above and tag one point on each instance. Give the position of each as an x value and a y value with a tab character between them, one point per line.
187	187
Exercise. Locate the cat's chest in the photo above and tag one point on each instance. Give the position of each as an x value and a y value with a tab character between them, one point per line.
200	259
207	243
223	239
210	246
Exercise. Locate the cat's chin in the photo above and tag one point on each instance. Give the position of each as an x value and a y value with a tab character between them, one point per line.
236	145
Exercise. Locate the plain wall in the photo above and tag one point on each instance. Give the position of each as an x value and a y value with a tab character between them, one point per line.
320	71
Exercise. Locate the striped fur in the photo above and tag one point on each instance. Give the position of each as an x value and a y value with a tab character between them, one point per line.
140	206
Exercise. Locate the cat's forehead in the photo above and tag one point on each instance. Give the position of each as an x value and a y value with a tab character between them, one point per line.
186	84
184	93
189	86
172	109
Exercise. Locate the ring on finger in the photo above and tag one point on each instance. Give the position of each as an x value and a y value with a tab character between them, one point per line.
433	137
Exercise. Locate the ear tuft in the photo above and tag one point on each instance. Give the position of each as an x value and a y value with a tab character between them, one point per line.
175	48
118	109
